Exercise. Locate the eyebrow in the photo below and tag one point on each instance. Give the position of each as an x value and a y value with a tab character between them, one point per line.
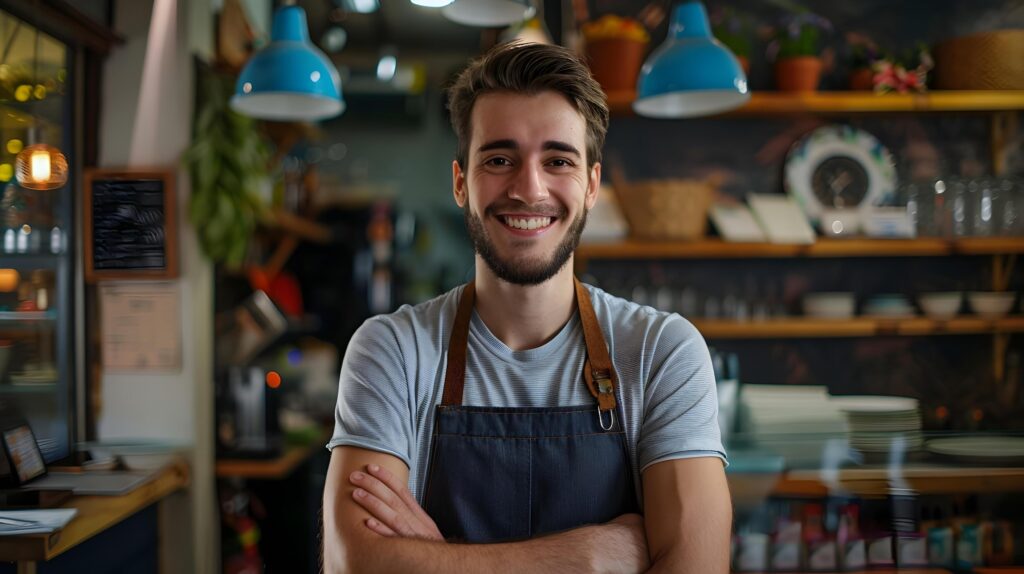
513	145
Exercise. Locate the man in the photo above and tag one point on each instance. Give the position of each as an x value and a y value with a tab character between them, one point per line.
526	416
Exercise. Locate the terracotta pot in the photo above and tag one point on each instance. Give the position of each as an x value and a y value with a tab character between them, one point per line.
615	63
861	79
798	74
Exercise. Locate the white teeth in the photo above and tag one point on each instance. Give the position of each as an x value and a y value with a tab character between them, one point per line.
527	222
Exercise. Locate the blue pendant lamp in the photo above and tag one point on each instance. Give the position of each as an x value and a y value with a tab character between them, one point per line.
290	79
692	73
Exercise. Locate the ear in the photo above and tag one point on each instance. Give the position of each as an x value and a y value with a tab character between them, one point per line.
458	184
593	185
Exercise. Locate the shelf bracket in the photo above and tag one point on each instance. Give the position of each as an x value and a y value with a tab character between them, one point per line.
1003	130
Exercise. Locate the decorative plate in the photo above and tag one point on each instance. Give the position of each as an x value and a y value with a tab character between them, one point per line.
839	167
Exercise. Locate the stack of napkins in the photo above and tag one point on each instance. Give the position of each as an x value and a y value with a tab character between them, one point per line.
17	522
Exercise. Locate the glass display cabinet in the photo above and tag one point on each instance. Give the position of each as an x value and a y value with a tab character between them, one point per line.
36	241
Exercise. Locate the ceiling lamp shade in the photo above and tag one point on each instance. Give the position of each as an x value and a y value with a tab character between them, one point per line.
489	13
290	79
691	74
40	166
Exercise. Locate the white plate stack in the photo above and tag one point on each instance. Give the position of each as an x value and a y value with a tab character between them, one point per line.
879	424
794	421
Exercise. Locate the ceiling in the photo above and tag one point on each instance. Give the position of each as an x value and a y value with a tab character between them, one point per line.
398	22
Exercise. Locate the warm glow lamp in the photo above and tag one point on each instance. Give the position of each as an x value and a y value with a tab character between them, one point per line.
489	13
692	73
40	166
290	79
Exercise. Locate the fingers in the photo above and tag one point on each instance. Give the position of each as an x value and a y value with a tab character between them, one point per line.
381	512
376	526
392	482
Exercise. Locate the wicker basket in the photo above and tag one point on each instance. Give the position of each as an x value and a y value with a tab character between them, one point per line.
985	61
666	209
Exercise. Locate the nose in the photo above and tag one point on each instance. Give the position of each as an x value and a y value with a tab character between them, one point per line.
528	185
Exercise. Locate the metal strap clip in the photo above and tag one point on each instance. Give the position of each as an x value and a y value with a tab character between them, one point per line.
600	419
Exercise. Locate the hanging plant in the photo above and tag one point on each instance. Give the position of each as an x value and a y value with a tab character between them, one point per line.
228	161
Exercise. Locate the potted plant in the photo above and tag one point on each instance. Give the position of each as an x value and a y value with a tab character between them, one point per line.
735	30
863	53
615	49
228	162
908	74
795	50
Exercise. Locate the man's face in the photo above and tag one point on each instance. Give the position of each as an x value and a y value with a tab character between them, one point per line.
526	188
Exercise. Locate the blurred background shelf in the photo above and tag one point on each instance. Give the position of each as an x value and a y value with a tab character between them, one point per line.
28	316
798	327
764	103
718	249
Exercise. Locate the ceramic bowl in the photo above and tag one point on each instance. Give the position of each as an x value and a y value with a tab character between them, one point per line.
991	304
829	305
941	306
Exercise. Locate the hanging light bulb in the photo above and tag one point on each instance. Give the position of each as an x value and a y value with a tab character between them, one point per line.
41	167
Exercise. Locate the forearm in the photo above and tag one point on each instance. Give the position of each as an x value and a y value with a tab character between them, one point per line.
704	545
589	549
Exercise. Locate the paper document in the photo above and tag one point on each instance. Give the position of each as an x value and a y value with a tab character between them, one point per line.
17	522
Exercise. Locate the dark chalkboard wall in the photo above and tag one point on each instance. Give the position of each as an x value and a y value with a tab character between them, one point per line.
130	225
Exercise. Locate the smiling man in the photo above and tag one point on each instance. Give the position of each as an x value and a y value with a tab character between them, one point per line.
526	422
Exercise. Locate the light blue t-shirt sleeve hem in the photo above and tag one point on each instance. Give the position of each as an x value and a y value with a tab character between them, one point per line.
687	454
369	445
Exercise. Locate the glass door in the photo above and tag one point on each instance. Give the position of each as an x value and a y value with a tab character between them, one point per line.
36	367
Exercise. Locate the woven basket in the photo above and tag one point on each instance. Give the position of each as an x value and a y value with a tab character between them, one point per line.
666	209
985	61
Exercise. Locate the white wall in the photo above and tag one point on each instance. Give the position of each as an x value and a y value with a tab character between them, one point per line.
145	121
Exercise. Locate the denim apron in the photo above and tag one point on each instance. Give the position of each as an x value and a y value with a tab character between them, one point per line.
508	473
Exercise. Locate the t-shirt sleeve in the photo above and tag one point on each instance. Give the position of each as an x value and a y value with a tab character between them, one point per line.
680	398
373	393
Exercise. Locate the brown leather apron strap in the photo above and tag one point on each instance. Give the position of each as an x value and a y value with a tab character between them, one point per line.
455	372
598	371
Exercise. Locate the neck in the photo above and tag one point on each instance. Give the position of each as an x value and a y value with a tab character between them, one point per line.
524	316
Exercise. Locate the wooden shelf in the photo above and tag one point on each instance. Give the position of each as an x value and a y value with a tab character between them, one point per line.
923	478
713	248
809	327
767	103
95	514
269	469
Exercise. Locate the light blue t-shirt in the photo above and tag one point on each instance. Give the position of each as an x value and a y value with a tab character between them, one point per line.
392	377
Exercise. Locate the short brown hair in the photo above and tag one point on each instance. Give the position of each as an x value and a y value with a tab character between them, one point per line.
529	69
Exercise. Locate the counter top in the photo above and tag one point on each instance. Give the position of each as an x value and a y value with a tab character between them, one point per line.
95	514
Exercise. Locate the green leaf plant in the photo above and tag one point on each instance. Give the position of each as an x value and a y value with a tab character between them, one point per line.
228	161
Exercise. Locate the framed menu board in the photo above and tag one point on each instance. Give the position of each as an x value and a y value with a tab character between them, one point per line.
130	224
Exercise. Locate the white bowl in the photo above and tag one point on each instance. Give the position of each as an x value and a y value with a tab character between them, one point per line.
991	304
829	305
941	306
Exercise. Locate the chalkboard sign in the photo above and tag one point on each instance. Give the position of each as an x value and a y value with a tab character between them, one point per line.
130	225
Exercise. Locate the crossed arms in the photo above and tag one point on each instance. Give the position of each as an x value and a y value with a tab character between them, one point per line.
685	528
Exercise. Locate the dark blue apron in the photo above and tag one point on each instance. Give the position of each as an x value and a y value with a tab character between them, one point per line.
506	473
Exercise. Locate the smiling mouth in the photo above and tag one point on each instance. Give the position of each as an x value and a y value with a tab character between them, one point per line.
527	223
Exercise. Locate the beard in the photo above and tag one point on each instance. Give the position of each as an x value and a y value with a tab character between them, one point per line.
523	270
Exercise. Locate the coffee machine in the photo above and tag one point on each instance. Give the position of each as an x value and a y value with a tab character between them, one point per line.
248	396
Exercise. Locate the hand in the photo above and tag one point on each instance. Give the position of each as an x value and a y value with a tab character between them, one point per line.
628	545
393	510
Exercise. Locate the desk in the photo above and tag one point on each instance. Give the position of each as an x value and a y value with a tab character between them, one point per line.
95	514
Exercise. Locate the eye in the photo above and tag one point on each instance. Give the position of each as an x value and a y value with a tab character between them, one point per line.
560	162
498	161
